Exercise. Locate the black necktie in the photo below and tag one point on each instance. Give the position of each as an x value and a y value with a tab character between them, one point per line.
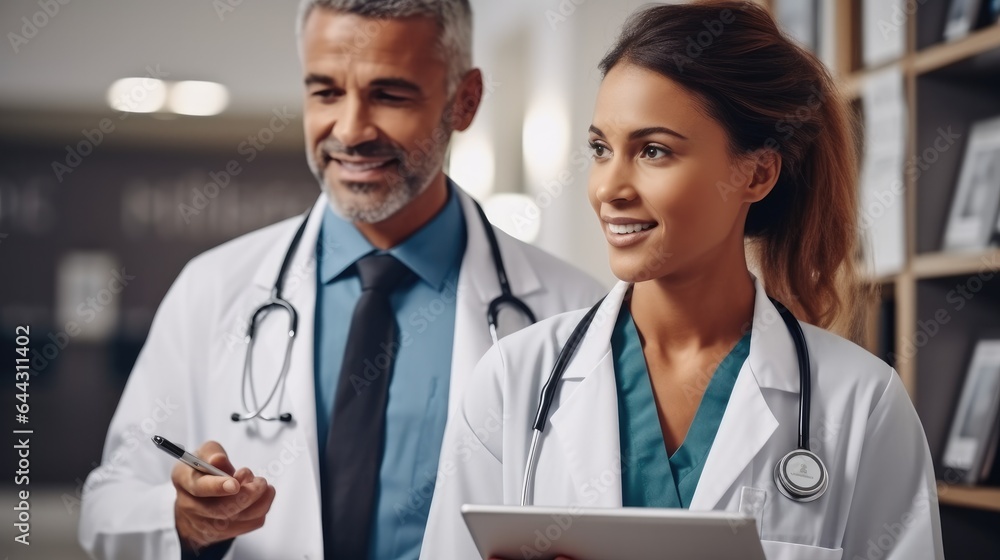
357	427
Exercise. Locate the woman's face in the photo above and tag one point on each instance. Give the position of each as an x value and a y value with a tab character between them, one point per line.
670	198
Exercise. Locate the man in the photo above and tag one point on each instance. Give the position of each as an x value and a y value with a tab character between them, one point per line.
341	413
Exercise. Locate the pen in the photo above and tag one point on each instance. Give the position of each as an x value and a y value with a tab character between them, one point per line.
192	461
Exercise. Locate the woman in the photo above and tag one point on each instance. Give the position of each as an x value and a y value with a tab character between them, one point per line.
713	136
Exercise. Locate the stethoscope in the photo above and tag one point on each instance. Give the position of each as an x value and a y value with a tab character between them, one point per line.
800	475
277	303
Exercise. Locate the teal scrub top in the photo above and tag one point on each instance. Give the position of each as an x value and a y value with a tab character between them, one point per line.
649	477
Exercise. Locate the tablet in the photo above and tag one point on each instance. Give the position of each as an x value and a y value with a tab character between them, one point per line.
514	532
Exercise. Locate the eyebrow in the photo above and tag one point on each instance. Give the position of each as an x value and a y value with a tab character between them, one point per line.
643	132
396	83
318	79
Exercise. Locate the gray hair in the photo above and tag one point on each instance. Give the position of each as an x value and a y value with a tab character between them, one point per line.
453	17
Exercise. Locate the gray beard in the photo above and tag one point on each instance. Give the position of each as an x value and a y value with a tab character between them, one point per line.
381	204
374	210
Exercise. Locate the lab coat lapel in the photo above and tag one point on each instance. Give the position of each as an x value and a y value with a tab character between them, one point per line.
477	286
584	421
748	422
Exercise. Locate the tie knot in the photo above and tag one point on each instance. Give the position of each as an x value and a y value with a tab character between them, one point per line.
382	273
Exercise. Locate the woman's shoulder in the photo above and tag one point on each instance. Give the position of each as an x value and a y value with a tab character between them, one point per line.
846	365
521	361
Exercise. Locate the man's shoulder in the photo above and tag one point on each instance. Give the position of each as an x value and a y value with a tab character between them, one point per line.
239	258
547	265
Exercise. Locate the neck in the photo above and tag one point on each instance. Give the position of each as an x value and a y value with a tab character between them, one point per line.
396	228
680	313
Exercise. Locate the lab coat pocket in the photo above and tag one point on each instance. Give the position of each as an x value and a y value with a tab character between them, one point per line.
777	550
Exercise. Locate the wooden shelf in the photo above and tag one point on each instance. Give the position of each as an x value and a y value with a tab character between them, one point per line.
944	83
937	265
969	496
943	54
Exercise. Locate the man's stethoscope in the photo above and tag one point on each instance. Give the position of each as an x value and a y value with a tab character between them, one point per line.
275	302
800	475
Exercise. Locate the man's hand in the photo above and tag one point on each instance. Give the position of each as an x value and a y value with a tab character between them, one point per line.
212	509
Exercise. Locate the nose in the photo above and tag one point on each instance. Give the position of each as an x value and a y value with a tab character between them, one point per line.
354	125
613	184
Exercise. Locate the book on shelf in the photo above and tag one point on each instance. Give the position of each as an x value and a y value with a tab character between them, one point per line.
811	23
970	451
882	182
972	221
883	31
961	19
965	16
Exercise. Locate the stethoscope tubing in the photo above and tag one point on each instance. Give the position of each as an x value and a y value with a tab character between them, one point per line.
506	297
575	339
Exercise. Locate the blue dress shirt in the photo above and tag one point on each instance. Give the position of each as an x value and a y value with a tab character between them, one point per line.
418	392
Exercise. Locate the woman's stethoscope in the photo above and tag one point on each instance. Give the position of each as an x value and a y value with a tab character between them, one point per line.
276	303
800	475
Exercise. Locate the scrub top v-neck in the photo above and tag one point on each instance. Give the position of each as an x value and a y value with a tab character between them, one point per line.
649	477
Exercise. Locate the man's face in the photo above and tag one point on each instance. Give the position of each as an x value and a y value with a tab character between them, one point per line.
375	110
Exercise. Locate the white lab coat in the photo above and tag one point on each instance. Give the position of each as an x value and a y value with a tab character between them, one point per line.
881	502
186	383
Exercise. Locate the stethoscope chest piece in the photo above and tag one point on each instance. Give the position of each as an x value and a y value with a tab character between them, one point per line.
801	476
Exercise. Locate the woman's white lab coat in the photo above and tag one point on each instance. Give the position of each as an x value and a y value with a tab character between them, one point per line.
881	502
186	384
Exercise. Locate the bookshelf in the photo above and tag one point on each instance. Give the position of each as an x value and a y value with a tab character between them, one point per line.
945	84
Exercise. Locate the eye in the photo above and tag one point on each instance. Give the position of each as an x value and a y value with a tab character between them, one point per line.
599	151
323	94
652	151
387	97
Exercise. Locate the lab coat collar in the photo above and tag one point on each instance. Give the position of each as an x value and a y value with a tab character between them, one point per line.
477	263
746	426
301	270
772	358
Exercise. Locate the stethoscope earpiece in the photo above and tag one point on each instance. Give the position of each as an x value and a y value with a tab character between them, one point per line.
801	476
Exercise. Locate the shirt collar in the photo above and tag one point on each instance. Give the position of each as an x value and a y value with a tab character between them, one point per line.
431	252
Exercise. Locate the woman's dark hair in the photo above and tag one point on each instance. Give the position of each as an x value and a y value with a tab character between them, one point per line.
769	94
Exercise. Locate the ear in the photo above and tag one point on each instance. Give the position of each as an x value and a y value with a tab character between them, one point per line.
765	169
467	97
